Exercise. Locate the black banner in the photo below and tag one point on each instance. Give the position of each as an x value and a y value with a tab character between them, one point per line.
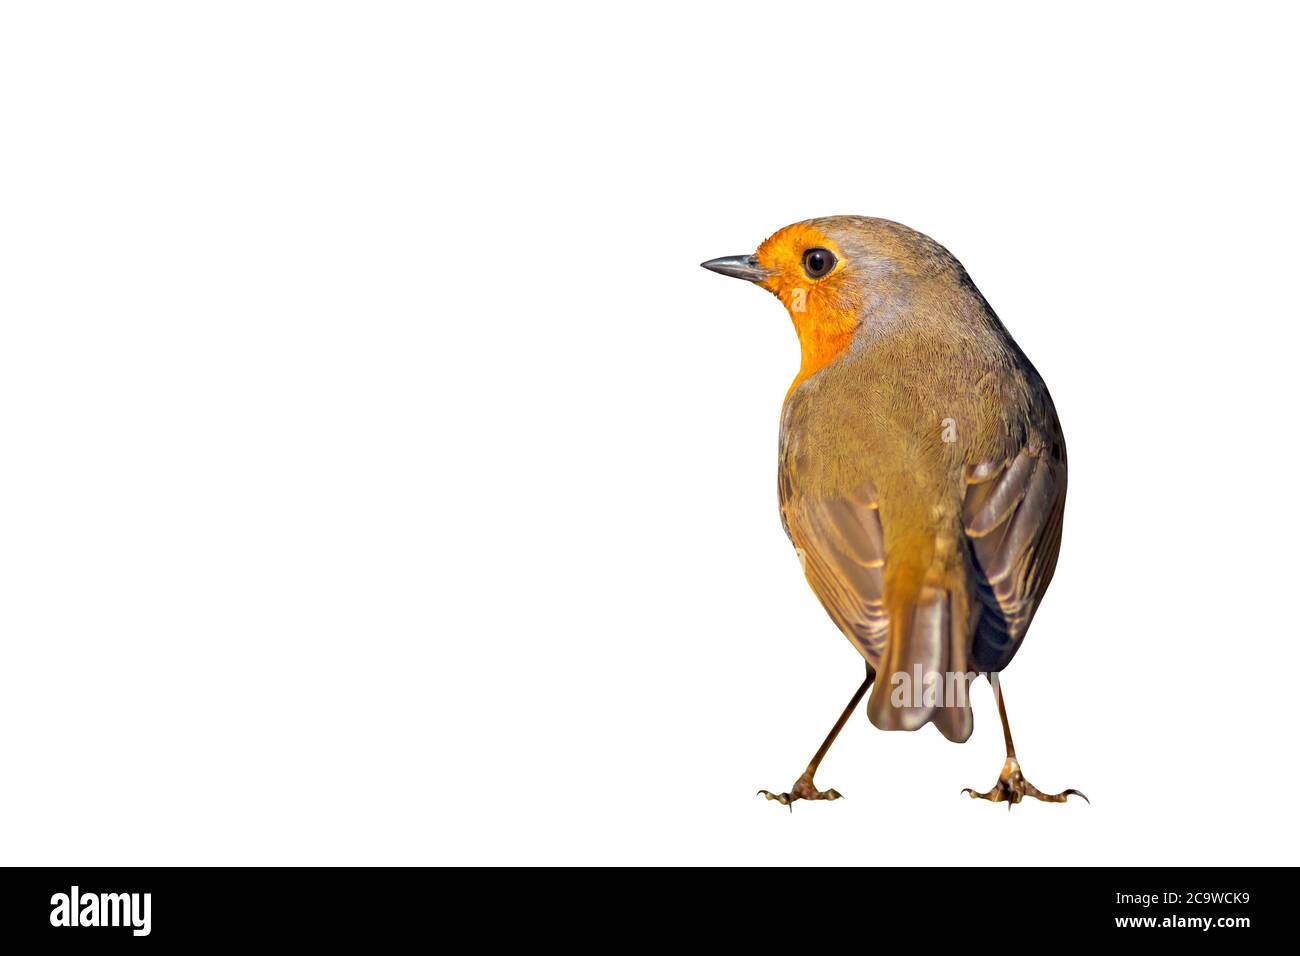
1175	906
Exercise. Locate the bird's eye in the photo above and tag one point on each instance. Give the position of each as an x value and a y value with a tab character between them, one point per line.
818	262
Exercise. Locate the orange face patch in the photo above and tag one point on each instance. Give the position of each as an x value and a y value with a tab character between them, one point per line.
825	310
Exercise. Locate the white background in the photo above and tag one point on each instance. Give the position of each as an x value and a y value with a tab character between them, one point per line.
384	482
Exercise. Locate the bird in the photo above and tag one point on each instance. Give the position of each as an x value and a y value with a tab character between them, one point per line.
921	474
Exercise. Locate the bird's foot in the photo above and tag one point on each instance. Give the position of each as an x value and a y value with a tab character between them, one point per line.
1012	787
803	789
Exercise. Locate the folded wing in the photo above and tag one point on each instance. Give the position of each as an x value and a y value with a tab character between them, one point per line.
842	547
1012	513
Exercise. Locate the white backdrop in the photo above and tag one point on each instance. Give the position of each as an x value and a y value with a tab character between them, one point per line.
385	482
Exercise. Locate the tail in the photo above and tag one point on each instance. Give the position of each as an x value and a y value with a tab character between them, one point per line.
924	674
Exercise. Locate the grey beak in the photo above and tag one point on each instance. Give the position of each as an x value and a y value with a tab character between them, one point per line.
738	267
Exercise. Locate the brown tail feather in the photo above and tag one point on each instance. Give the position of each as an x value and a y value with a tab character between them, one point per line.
930	635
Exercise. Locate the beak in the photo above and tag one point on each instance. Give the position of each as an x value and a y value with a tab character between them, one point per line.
738	267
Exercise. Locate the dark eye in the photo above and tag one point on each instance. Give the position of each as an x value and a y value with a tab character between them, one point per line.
818	262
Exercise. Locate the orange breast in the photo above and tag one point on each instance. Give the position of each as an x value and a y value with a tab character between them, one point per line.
820	344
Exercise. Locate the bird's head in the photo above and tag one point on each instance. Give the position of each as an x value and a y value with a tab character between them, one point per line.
832	274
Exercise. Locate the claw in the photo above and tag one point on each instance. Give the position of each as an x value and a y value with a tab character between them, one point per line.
1012	787
803	790
781	798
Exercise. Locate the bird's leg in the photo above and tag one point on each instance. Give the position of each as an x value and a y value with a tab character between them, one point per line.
1012	786
803	788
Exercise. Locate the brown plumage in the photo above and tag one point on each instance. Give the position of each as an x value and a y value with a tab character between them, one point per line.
922	468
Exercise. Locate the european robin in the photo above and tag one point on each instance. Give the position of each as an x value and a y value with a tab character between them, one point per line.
921	472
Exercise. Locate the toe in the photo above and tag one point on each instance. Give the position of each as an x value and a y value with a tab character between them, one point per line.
1062	797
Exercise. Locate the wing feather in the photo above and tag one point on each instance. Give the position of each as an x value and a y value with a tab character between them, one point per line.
1013	516
842	547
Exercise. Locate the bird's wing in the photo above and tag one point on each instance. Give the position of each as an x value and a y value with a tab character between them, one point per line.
842	548
1012	513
